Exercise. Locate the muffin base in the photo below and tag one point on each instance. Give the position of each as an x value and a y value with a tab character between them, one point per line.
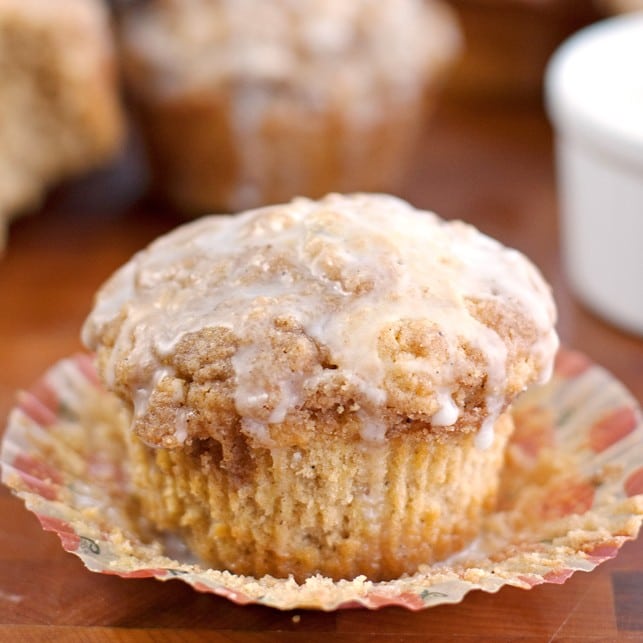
203	160
336	509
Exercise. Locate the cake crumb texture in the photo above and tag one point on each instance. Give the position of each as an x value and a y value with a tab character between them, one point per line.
331	509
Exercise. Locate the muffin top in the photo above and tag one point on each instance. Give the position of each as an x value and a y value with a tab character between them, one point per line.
320	49
357	315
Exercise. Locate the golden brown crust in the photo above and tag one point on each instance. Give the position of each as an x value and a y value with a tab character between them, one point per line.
336	509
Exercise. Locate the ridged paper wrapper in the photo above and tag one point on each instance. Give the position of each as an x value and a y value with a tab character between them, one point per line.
571	494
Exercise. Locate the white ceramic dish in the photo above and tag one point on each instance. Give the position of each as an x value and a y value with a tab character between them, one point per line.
594	90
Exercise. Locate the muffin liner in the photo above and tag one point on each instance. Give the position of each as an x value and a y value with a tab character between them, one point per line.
570	496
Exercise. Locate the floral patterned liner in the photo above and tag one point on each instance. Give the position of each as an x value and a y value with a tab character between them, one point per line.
571	495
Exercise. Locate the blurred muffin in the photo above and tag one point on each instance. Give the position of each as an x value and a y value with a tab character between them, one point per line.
321	387
508	44
59	110
244	103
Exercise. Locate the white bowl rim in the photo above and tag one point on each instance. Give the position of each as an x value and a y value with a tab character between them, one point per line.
574	113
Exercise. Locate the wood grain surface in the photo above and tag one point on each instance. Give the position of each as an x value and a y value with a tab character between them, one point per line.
491	166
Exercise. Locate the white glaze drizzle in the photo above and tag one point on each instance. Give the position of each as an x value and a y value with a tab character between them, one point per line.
326	49
343	268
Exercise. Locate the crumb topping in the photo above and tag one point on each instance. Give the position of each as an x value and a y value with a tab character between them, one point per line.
324	49
358	313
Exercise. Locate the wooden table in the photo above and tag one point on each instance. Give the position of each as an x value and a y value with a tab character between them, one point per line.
491	166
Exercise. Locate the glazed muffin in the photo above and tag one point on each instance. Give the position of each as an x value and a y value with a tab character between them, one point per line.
244	103
322	386
59	106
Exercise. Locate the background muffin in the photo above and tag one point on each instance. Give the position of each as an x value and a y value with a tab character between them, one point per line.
244	103
322	386
59	108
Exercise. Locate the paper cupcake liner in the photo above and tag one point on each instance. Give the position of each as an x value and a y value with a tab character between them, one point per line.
571	495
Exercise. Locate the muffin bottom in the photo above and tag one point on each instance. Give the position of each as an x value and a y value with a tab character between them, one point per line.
203	160
336	509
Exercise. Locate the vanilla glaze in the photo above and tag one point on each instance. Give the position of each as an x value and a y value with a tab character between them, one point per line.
343	270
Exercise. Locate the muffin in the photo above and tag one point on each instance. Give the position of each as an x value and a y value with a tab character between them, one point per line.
59	106
322	386
245	103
